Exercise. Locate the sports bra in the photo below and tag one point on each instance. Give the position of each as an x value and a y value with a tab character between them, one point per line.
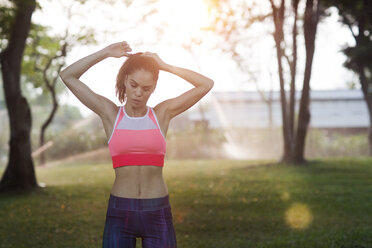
137	140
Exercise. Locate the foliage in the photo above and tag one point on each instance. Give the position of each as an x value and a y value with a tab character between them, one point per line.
70	139
215	203
357	14
322	144
7	15
76	142
237	21
188	144
238	29
6	21
75	139
64	119
195	143
40	49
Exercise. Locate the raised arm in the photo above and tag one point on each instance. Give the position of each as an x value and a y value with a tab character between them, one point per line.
174	106
71	74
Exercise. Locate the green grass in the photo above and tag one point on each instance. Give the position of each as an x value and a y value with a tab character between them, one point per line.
217	204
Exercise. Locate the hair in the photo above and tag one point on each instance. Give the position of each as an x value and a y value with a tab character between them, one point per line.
133	63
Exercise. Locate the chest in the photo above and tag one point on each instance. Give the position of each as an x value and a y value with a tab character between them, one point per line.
149	141
141	135
109	124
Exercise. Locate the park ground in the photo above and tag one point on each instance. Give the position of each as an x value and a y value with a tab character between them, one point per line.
215	203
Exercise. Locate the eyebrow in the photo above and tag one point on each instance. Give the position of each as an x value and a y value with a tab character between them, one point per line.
146	86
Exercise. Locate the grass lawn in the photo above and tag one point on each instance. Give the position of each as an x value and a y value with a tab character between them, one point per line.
217	204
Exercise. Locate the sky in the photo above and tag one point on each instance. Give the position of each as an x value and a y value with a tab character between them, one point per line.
180	21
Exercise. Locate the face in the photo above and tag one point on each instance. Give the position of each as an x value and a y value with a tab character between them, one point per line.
139	87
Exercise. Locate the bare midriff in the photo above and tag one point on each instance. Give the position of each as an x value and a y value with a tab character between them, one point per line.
142	181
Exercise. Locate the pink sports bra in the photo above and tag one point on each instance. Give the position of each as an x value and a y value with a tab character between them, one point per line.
137	140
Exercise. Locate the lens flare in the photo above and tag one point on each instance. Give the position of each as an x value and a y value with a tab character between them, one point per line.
298	216
190	16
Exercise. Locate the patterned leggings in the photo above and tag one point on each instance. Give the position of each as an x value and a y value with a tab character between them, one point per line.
128	218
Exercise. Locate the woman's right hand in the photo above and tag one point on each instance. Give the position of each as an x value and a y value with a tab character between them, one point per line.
118	49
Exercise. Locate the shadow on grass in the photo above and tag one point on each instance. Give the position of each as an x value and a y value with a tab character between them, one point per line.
54	216
274	205
315	166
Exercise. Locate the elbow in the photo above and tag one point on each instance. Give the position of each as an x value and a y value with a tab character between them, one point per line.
207	86
210	84
62	74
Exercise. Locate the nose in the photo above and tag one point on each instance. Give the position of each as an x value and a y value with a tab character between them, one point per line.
138	92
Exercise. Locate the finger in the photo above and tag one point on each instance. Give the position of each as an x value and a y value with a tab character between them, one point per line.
126	48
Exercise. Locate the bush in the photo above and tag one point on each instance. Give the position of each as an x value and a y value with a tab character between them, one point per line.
90	136
195	143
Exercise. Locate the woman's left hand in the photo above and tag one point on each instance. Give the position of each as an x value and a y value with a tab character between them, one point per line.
161	63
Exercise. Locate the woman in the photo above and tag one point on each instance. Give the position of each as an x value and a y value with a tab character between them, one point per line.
139	201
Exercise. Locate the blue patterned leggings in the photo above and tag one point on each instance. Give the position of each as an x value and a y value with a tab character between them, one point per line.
128	218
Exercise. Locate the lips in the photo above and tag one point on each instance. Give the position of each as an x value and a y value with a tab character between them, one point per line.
136	101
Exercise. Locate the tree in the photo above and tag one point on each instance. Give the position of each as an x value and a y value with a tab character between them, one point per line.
294	140
357	16
44	58
234	30
19	173
312	12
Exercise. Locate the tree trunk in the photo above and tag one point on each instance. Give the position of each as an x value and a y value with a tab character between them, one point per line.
364	81
19	173
310	26
45	126
368	99
293	67
51	87
278	18
270	106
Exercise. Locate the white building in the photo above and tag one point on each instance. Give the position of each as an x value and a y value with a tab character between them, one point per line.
246	109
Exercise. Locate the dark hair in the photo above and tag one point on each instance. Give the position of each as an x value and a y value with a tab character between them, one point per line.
133	63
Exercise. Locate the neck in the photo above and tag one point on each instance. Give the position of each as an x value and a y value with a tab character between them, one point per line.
135	111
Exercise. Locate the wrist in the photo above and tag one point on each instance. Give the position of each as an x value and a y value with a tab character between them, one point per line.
104	53
167	68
